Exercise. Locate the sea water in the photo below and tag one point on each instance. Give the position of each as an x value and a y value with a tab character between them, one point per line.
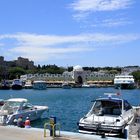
67	105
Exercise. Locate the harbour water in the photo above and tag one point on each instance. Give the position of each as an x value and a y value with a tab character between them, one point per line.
68	105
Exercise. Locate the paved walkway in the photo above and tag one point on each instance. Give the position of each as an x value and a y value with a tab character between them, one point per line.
15	133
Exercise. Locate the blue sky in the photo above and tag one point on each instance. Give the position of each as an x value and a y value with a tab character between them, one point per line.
71	32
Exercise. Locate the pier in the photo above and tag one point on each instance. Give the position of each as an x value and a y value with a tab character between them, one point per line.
15	133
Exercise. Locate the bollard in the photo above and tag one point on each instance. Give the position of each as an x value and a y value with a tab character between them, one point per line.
52	126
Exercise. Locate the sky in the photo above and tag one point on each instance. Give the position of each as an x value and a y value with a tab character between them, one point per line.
71	32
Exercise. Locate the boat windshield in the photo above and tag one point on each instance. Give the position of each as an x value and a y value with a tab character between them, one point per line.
107	107
27	106
11	106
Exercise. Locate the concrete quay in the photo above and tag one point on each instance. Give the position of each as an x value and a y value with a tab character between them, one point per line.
15	133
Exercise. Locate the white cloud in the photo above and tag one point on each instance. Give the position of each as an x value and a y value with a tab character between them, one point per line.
41	48
88	10
49	40
47	53
100	5
112	23
118	22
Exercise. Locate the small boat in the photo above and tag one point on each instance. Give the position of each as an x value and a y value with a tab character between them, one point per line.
66	85
40	85
16	107
108	116
124	82
5	84
85	85
28	84
17	84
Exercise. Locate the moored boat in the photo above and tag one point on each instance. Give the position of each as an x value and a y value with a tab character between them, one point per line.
108	116
5	84
40	85
66	85
16	107
28	84
124	82
17	84
85	85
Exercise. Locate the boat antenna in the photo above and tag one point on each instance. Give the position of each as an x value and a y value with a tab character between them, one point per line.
111	94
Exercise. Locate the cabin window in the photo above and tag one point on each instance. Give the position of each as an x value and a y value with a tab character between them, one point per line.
108	107
98	105
26	106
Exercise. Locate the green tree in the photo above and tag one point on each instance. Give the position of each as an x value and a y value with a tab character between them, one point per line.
113	72
33	71
15	72
136	75
38	67
70	69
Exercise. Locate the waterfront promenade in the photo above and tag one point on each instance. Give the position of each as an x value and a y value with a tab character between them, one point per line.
15	133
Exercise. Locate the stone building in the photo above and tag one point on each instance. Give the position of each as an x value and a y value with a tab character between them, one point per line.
78	76
21	62
24	63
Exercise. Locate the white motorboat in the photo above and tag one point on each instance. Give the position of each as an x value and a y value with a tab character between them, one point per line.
17	84
124	81
28	84
16	107
66	85
40	85
107	116
85	85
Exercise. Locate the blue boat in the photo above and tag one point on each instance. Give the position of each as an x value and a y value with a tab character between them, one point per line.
40	85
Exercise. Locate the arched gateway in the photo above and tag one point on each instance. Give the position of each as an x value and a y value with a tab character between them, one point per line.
78	75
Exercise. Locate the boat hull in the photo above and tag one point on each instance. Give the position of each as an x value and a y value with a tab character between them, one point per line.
16	87
28	87
5	87
124	86
40	85
32	114
99	129
66	87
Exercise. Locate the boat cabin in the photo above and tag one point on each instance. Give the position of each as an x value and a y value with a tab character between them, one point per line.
110	106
